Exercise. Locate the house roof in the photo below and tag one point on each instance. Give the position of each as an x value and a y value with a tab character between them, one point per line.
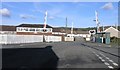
111	28
56	30
7	28
34	25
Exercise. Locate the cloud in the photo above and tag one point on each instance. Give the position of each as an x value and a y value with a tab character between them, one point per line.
107	6
25	16
5	12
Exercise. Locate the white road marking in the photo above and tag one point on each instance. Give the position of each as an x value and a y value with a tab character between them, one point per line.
93	52
100	57
103	60
110	67
99	45
21	45
107	58
102	54
106	63
111	60
97	55
115	64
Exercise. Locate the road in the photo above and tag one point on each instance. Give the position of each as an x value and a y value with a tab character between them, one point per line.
59	55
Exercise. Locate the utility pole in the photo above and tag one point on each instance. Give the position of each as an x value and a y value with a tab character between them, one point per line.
66	26
116	26
72	30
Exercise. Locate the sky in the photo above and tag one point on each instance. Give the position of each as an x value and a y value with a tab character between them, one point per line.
81	14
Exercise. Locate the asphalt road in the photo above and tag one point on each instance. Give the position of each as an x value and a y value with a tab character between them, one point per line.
59	55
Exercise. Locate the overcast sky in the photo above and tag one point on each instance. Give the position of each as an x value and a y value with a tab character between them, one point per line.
81	14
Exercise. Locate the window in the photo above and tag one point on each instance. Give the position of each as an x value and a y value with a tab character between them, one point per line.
38	30
19	29
25	29
31	29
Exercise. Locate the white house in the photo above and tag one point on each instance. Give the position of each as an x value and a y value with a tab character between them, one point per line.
113	32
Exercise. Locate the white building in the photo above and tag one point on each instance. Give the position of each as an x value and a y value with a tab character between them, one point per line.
33	29
113	32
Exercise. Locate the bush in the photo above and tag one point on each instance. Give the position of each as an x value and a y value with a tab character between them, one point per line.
115	41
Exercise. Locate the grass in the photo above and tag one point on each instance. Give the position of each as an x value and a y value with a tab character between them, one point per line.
115	41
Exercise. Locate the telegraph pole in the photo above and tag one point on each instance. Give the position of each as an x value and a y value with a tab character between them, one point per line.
66	26
72	30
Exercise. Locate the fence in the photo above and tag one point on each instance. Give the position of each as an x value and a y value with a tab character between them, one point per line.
69	38
15	39
53	38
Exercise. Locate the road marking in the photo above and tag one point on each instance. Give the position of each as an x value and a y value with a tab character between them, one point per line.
115	64
106	63
93	52
100	57
110	67
103	60
111	60
102	54
107	58
21	45
99	45
97	55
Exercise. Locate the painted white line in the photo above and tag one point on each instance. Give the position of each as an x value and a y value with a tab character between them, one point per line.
102	54
21	45
97	55
103	60
93	52
115	64
111	60
106	63
110	67
100	57
107	58
99	45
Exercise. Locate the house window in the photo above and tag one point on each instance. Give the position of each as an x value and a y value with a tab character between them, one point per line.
31	29
38	30
26	29
19	29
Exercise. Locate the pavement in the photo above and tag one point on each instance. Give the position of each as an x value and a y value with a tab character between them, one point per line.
59	55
